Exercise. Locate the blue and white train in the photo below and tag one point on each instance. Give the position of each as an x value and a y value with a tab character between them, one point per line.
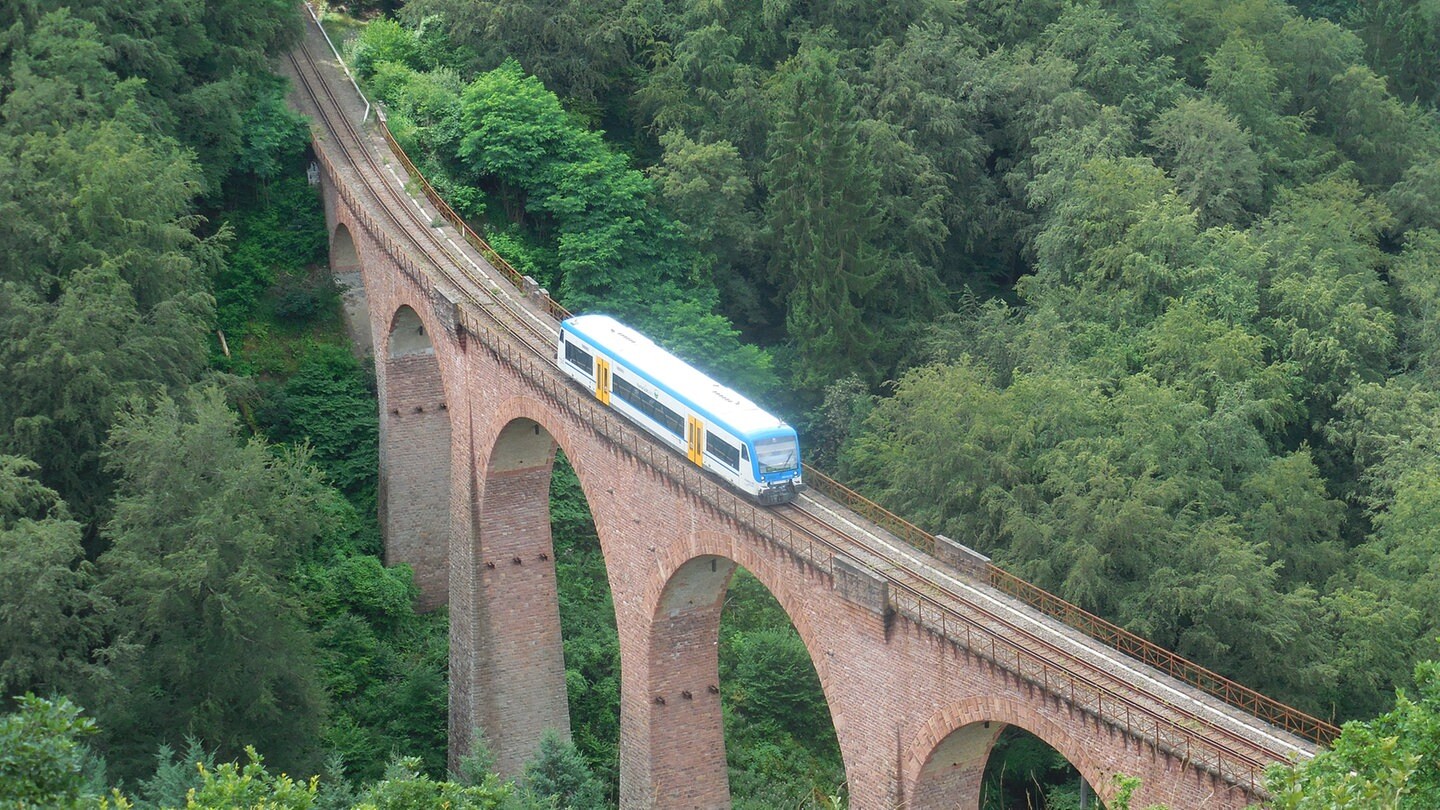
716	428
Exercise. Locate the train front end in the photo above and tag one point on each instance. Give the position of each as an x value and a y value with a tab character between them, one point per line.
777	466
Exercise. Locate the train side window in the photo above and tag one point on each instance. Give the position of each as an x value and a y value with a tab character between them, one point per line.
579	358
745	452
648	405
722	450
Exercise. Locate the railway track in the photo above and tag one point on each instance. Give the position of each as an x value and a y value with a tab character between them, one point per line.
989	623
1096	669
424	242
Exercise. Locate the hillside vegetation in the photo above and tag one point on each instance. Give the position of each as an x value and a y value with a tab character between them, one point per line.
1140	298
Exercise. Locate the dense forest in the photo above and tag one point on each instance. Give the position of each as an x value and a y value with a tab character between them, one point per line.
1139	297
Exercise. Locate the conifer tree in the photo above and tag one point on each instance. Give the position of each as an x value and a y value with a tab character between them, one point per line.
823	220
206	634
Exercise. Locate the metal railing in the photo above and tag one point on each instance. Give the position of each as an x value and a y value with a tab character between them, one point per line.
921	606
1242	697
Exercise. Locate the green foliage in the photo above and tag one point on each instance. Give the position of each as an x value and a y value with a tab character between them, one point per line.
103	293
610	247
270	260
1118	68
1125	787
1136	503
1210	158
583	51
776	683
329	404
557	776
1400	41
1326	301
45	764
780	741
836	421
1023	771
920	85
823	185
106	299
706	187
47	623
41	754
178	774
194	72
275	137
383	41
1387	763
250	785
382	666
1416	277
613	251
479	763
208	638
405	787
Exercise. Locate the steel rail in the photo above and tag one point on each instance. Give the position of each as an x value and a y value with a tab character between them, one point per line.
341	60
564	394
1107	633
429	245
1081	690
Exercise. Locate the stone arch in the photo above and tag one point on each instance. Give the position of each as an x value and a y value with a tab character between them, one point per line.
346	269
953	746
415	455
507	667
518	669
684	729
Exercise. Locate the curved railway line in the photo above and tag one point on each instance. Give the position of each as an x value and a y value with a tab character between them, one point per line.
520	326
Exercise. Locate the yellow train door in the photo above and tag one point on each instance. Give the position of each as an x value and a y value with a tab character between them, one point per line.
602	380
696	434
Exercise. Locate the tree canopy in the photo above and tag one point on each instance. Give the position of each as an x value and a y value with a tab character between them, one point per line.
1139	298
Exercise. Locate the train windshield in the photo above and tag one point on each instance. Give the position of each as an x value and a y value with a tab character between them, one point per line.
777	454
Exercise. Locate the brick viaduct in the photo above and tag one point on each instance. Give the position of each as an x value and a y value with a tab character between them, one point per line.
470	421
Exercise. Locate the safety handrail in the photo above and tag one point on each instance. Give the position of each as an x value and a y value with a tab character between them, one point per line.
1109	634
1105	632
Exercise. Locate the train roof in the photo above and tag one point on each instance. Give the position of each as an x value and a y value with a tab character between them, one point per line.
677	377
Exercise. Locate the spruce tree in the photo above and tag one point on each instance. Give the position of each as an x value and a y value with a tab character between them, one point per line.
823	220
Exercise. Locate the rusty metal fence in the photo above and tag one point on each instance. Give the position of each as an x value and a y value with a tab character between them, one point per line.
1111	635
817	552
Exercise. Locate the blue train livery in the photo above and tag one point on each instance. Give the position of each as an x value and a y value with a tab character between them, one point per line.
716	428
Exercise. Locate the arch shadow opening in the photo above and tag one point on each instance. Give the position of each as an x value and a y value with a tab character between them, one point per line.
415	457
1025	771
346	270
738	716
998	764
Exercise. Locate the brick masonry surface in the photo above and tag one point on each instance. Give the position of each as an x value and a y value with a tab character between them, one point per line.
465	490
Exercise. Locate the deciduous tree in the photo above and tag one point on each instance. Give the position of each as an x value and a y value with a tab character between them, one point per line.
47	623
1211	160
1388	763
